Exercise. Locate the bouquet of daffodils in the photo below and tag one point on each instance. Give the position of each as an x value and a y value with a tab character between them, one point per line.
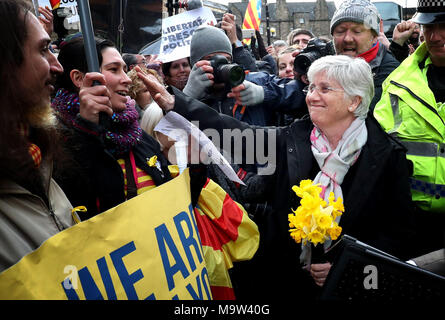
314	219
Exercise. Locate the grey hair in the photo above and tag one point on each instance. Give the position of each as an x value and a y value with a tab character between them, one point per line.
353	74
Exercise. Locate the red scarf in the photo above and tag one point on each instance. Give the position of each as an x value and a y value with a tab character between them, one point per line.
371	53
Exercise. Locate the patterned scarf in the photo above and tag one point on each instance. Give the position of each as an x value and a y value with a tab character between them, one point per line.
371	53
334	164
124	132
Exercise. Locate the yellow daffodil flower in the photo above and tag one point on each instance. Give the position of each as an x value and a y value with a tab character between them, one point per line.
297	235
337	205
314	219
324	218
316	237
306	186
334	232
152	161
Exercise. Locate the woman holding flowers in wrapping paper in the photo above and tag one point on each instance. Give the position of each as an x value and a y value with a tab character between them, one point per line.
355	161
339	147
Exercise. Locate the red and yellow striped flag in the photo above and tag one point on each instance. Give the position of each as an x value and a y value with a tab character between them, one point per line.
227	235
252	17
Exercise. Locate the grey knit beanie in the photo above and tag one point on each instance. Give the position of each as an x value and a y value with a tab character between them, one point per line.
207	40
359	11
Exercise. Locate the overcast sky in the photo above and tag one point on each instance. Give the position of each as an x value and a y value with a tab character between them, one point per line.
410	3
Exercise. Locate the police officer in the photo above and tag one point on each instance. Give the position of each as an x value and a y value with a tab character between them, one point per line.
412	108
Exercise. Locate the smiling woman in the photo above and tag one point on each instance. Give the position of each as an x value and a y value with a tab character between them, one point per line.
338	147
109	164
114	70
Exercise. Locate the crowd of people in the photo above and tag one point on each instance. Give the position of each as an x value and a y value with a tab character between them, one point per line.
364	119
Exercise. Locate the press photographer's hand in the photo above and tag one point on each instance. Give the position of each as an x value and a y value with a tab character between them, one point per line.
200	78
247	94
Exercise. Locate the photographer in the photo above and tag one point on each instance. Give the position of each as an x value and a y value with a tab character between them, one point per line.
283	96
208	49
355	28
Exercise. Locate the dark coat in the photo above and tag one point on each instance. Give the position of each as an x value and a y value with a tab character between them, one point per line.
382	65
376	193
94	178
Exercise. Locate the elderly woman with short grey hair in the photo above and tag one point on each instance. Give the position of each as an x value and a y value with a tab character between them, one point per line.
340	147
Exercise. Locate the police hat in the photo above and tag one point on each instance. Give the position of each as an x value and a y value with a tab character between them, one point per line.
430	12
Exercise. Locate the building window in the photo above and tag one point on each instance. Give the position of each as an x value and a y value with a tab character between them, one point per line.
301	20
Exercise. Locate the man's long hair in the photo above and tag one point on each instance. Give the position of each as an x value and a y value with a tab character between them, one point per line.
19	115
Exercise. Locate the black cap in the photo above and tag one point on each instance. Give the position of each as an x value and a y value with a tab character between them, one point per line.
430	12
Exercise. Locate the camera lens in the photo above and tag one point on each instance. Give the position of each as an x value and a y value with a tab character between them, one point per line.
224	72
315	49
302	64
235	75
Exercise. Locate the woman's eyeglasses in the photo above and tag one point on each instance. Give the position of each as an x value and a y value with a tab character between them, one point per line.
322	89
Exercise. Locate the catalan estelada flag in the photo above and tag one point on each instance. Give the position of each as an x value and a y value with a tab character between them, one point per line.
54	4
252	17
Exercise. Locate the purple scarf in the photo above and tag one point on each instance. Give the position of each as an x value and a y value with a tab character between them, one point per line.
124	132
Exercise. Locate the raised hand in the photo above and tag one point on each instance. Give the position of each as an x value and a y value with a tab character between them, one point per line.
403	31
94	98
159	93
46	18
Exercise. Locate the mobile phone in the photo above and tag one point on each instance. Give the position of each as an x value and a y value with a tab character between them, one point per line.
248	33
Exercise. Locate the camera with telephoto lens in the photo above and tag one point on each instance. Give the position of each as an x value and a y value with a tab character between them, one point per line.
225	72
316	48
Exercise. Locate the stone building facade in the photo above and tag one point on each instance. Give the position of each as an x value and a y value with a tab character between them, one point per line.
286	16
283	16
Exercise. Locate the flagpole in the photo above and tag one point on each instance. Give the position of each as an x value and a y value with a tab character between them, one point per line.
86	26
88	35
170	7
267	22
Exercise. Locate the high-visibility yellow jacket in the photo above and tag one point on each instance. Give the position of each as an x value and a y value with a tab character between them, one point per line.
409	110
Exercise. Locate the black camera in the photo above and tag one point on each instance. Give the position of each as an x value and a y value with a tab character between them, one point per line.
225	72
316	48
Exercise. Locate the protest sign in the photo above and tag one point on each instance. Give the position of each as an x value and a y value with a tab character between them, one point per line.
177	32
54	4
68	3
146	248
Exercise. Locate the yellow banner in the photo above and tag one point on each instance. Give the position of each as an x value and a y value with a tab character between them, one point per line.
145	248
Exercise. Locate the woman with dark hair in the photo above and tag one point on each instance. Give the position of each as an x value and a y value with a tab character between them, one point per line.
32	206
110	164
117	163
176	73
